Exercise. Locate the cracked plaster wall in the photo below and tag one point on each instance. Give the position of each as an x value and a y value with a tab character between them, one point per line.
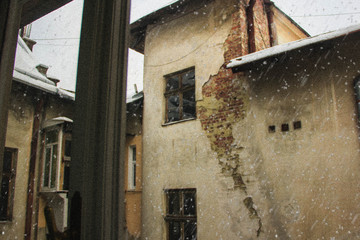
213	153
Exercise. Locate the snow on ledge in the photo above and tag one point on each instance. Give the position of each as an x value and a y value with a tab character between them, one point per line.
286	47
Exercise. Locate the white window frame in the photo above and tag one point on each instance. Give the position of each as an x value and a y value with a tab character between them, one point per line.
58	162
132	167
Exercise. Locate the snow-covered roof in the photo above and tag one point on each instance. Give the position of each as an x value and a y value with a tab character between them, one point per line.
135	97
287	47
25	72
56	121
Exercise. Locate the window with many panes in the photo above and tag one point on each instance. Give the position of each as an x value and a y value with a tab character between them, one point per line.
181	214
132	168
51	155
180	96
8	184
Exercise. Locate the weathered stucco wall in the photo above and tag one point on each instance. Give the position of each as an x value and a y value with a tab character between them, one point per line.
19	132
285	28
212	153
133	196
309	177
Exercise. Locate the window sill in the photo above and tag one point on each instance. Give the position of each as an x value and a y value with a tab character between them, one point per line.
132	191
175	122
5	221
53	191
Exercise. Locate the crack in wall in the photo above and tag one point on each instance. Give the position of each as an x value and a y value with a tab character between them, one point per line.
225	102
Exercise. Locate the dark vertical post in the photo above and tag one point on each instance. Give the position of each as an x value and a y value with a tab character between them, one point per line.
251	26
32	166
99	123
10	22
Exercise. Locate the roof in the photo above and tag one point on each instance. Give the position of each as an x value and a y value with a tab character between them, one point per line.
244	61
35	9
138	28
56	121
135	97
25	72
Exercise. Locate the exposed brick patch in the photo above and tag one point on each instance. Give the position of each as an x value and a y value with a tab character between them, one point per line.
225	99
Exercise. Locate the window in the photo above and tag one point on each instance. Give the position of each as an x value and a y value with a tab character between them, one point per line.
51	151
181	214
8	184
132	168
357	95
180	96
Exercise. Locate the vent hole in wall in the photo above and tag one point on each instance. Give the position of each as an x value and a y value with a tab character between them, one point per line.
285	127
297	125
272	129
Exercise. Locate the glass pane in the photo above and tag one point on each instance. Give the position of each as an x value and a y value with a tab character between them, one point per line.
174	203
174	230
47	166
172	83
189	204
54	166
188	78
173	108
52	136
189	106
190	230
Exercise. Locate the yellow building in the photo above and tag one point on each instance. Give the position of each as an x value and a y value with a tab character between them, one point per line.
37	158
133	166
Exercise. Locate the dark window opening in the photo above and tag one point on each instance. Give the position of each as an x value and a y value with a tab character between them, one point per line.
285	127
180	96
8	184
181	214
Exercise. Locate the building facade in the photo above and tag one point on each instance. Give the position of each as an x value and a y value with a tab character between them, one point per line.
194	186
36	150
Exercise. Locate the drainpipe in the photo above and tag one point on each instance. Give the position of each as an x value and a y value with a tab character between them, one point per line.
251	26
32	166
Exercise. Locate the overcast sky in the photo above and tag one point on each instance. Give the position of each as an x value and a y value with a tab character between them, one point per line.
57	34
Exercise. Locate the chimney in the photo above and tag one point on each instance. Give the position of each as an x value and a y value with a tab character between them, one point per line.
42	69
29	42
55	80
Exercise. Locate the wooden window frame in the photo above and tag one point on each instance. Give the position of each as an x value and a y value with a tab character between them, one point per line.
180	91
181	217
12	177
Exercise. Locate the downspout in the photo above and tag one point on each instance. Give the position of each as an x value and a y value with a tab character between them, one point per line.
251	26
32	166
270	16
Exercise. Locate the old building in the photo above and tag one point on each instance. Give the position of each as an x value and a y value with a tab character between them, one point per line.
296	143
133	165
194	186
36	161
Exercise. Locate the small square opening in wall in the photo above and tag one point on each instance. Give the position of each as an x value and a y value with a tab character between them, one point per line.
272	129
297	125
285	127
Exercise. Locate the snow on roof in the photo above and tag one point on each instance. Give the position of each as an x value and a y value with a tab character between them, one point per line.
135	97
56	121
25	72
287	47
